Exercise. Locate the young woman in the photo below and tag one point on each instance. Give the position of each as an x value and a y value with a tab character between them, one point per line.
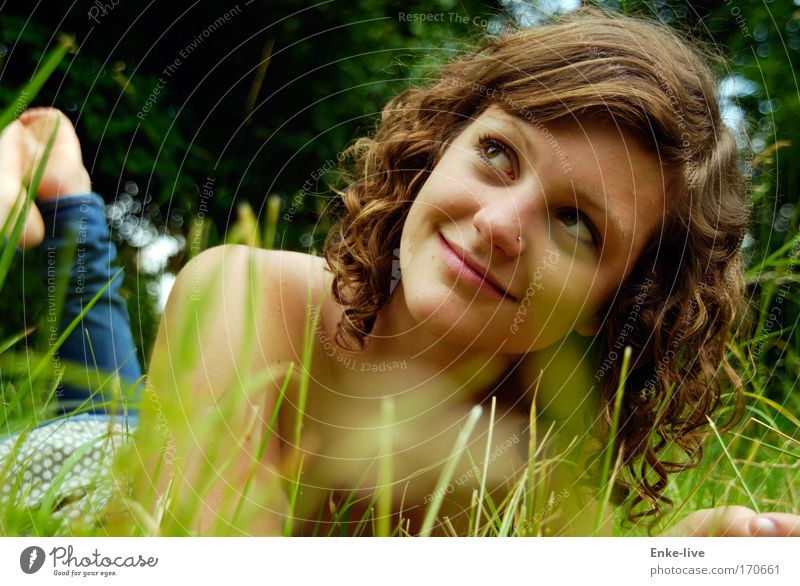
571	179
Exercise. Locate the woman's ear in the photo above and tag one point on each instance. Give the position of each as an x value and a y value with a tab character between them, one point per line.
590	326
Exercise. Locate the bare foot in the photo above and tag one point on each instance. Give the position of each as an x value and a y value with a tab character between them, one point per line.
64	173
14	164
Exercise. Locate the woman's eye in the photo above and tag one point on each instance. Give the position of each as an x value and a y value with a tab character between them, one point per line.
576	222
496	154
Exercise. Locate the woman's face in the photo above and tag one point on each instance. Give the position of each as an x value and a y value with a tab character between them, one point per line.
585	197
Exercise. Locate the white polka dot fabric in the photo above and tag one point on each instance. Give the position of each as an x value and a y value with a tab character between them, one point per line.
71	458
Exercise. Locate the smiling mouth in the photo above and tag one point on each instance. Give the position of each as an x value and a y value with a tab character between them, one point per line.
472	275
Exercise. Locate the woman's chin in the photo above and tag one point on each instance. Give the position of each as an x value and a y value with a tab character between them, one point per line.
446	313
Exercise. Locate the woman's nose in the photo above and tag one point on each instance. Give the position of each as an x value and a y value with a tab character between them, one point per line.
503	221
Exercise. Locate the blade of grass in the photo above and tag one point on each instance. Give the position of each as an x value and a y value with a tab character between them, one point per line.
384	496
791	243
309	327
263	446
485	466
295	487
68	330
14	339
775	406
271	225
607	483
48	501
780	433
305	374
25	200
606	498
451	531
511	509
65	44
532	455
447	473
733	465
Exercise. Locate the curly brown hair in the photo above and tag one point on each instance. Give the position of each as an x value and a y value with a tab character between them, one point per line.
686	290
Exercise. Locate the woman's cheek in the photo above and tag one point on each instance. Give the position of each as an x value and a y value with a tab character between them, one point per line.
549	308
529	326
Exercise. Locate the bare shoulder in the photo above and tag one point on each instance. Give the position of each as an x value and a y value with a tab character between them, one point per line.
281	286
295	284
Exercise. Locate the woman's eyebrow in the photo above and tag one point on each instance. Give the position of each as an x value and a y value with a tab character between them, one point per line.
510	124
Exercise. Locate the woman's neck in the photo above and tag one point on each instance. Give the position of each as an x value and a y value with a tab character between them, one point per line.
399	339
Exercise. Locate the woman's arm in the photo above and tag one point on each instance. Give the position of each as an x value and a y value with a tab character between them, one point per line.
213	395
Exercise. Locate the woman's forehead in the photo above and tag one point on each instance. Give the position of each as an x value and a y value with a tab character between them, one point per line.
590	125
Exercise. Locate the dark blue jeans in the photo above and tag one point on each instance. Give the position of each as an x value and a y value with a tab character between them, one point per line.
77	239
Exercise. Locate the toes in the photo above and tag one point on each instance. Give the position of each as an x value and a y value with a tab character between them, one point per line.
13	150
33	233
13	129
33	230
40	120
32	114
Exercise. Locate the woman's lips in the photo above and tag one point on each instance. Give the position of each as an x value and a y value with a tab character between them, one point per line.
469	275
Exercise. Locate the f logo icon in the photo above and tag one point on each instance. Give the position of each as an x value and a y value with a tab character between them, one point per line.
31	559
396	274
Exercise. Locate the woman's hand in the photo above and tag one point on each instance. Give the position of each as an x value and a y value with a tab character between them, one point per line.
22	144
735	521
